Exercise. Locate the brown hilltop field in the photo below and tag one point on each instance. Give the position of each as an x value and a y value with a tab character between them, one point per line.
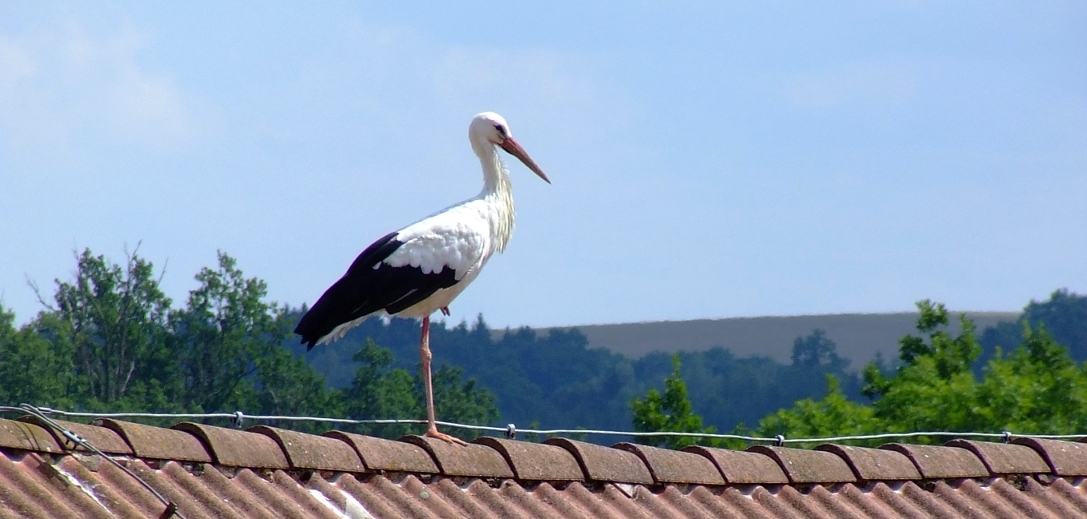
858	336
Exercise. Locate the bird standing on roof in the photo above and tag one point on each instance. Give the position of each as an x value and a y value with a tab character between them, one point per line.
421	268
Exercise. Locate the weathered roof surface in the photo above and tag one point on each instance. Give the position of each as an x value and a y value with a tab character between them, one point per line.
212	472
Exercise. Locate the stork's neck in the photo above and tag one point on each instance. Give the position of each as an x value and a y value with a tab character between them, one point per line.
498	193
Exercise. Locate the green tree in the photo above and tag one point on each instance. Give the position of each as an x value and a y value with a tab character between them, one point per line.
816	350
380	391
33	370
932	389
225	329
113	321
832	415
1037	389
113	343
458	400
286	385
1064	316
230	352
670	412
558	380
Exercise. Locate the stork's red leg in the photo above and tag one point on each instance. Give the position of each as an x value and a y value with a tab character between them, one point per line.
424	354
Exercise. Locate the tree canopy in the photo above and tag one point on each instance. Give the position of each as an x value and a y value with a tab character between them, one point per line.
114	342
1064	316
1036	389
670	411
111	340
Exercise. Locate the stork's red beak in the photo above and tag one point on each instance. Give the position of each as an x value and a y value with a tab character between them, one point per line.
516	150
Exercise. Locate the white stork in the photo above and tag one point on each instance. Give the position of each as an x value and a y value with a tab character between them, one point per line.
421	268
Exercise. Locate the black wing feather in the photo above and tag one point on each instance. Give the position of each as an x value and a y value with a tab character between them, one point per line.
364	290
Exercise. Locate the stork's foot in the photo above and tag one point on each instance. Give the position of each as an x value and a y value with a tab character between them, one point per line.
445	310
432	432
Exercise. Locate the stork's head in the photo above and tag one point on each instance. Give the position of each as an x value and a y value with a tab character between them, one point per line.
489	128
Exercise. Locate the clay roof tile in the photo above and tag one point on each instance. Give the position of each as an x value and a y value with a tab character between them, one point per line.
808	466
150	442
26	436
379	454
874	464
359	476
671	466
234	448
535	461
601	463
1064	458
463	460
307	451
741	467
1005	458
936	462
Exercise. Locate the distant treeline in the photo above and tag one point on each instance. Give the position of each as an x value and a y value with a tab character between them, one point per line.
1063	316
110	340
558	381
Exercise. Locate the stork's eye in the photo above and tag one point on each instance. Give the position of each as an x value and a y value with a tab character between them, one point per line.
501	129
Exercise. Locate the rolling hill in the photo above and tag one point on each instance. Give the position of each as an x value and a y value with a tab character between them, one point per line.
858	336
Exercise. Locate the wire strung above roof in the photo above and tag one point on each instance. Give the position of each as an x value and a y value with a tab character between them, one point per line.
238	417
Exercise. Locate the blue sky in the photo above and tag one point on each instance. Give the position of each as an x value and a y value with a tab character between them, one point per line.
709	159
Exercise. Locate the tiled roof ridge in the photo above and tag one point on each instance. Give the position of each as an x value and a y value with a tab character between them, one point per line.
559	460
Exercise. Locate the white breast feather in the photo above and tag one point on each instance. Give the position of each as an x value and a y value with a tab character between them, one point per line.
457	238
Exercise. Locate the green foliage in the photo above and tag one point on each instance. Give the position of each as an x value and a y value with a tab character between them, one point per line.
112	343
926	392
557	380
816	350
462	402
670	412
1037	389
33	369
554	379
1064	316
286	385
951	356
113	319
833	415
225	327
380	391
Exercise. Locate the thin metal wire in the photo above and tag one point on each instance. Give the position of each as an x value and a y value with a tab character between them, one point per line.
171	507
551	432
884	436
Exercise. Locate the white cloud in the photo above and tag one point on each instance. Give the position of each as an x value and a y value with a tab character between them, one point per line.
63	85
